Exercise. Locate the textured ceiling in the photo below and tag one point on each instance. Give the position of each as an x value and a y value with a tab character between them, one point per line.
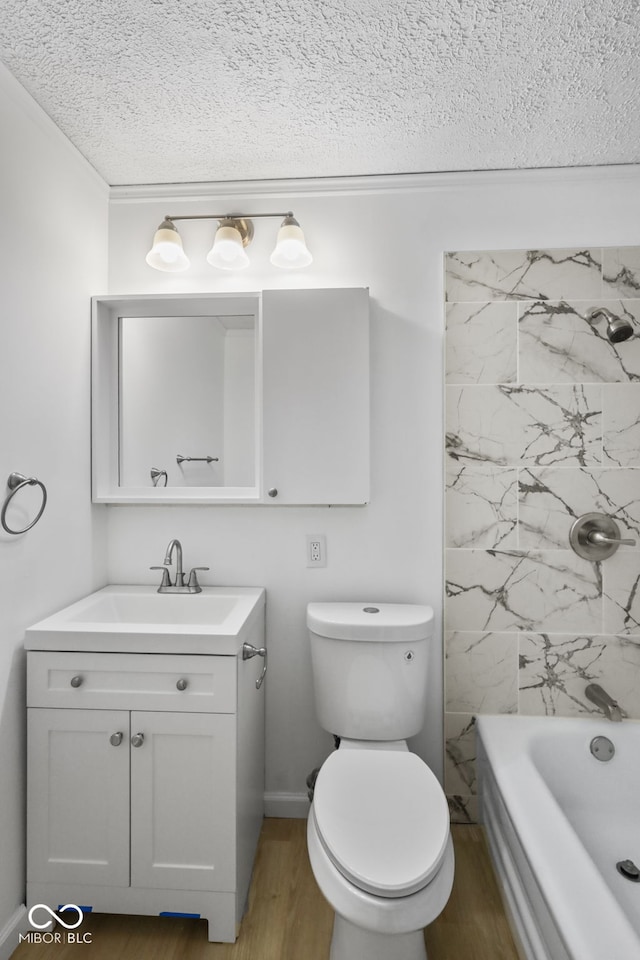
173	91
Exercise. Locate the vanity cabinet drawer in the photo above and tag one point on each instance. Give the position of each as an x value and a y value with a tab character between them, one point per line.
107	681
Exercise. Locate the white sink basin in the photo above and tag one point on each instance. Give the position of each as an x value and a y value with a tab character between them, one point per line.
138	619
202	608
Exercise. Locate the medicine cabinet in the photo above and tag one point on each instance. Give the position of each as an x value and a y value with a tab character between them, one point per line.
231	398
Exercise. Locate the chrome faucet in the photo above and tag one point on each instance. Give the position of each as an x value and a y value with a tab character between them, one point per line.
601	698
178	586
179	581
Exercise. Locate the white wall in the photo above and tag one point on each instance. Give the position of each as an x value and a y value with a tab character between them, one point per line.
388	234
53	255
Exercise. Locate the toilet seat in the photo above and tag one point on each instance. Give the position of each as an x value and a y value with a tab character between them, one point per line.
382	819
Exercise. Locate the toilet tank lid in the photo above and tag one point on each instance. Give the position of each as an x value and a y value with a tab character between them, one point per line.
370	620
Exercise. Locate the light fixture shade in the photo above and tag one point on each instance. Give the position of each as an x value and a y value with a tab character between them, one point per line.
167	253
227	252
291	250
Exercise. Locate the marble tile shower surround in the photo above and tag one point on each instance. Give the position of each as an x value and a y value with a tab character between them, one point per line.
542	426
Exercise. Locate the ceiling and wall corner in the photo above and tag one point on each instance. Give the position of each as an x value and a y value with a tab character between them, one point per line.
191	91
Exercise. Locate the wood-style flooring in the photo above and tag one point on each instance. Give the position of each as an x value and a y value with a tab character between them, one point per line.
288	919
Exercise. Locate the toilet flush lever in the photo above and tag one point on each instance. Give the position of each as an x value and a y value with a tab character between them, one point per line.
248	652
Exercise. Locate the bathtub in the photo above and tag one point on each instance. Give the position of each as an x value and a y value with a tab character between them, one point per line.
558	820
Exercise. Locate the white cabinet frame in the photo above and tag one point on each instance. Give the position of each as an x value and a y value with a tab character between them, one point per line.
312	396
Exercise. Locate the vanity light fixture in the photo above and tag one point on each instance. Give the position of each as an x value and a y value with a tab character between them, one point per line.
232	236
234	233
291	250
167	253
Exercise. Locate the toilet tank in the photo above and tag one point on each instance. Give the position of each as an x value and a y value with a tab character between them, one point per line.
370	663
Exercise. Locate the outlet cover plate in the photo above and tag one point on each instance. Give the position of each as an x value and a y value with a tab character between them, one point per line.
316	550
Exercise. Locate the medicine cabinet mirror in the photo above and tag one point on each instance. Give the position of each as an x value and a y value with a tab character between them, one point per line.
231	398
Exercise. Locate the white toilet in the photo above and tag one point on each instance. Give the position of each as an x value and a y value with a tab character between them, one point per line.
378	830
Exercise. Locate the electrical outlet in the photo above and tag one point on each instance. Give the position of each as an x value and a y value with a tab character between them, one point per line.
316	550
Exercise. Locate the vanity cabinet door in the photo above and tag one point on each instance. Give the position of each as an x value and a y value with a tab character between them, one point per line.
316	396
78	796
183	801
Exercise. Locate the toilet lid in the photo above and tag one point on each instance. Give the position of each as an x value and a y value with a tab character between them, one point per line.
382	819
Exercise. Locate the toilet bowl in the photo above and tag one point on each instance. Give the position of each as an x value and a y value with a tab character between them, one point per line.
380	849
378	830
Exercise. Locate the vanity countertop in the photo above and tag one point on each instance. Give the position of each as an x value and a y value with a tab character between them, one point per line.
137	619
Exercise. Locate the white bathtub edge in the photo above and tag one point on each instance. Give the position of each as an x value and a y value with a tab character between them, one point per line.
563	871
515	888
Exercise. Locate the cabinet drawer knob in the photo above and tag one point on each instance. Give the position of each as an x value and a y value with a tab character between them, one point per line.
137	739
116	739
76	681
182	683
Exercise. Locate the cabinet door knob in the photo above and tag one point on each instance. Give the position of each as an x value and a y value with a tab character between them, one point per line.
116	739
182	683
137	739
76	681
273	491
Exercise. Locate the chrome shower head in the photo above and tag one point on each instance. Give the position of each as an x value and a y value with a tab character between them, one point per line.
618	328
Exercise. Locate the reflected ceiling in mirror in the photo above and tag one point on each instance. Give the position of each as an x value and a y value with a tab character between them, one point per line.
187	404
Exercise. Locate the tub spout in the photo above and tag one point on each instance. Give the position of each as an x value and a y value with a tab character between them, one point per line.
601	698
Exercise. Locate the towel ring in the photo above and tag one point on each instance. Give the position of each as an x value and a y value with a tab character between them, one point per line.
16	482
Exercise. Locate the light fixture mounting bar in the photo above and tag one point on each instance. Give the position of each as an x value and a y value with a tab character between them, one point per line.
227	216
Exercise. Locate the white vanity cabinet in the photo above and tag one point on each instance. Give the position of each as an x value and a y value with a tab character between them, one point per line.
145	782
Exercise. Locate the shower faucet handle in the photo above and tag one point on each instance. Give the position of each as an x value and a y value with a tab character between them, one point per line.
595	536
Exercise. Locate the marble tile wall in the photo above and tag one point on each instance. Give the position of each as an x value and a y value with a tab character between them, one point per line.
542	425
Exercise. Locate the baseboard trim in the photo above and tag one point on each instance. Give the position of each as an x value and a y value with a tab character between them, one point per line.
292	806
17	924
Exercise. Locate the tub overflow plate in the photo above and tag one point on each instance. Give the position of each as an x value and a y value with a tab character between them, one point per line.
602	748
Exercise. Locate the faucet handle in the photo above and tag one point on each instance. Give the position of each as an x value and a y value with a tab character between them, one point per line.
193	579
166	579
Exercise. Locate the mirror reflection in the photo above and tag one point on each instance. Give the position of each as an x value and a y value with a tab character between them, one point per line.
187	405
